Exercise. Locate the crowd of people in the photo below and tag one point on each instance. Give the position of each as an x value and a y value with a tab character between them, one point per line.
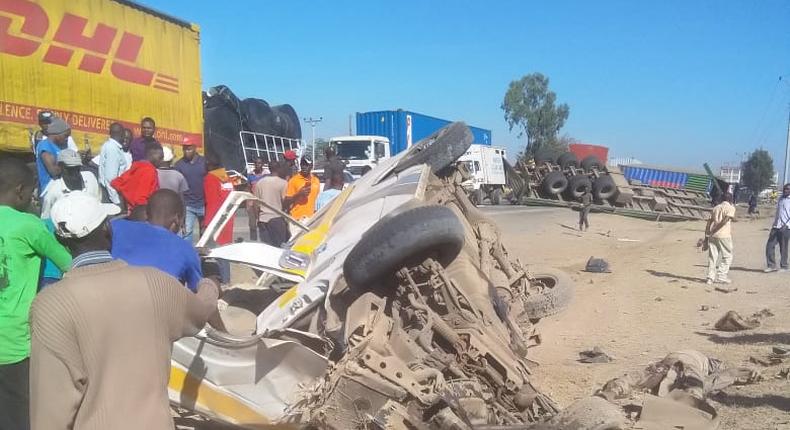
109	270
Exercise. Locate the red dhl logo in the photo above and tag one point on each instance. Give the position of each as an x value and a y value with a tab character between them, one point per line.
70	36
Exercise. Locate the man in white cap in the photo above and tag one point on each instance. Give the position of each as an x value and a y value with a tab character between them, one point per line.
170	178
102	337
72	178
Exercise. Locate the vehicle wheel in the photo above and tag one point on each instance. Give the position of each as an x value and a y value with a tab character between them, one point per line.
604	188
496	196
545	156
591	413
554	183
553	292
476	196
405	238
438	150
568	159
591	162
578	185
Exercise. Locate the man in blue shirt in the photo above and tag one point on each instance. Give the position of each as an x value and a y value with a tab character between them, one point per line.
193	167
47	151
155	243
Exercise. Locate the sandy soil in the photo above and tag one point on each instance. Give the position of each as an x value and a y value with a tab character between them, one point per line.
651	303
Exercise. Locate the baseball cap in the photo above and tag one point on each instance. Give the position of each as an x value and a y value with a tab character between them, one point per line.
45	116
168	154
70	158
78	213
58	126
289	155
188	141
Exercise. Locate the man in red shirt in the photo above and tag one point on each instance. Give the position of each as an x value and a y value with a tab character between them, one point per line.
141	180
216	188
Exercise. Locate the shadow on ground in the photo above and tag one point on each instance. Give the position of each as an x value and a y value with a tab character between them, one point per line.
766	400
670	275
746	269
747	338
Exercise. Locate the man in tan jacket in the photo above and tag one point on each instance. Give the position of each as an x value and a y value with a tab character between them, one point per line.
102	337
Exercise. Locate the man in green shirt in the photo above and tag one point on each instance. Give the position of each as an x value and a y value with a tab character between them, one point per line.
24	242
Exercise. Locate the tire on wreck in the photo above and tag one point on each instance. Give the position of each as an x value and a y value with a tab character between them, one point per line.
554	183
578	185
553	295
604	188
439	150
404	239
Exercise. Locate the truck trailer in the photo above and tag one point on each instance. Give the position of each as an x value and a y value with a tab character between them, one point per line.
383	134
95	62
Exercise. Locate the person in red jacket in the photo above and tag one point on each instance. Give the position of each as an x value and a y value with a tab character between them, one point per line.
141	180
217	185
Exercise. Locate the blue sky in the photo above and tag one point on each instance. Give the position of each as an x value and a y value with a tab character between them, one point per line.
669	82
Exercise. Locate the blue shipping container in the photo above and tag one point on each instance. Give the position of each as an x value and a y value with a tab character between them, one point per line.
656	177
403	127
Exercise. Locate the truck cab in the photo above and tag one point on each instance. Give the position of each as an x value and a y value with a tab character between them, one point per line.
361	153
486	166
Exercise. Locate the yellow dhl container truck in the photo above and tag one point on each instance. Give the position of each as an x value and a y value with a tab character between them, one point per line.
94	62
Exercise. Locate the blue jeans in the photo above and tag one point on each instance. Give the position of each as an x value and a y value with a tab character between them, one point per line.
193	217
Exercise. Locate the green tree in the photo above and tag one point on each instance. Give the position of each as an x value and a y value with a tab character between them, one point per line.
532	108
758	171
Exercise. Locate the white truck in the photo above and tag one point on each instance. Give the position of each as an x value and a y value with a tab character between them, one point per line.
361	153
485	163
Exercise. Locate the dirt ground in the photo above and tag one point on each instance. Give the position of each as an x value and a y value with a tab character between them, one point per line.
650	305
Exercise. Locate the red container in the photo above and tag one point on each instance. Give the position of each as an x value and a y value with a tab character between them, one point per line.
582	151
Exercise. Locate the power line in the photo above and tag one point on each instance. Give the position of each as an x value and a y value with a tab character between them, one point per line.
757	135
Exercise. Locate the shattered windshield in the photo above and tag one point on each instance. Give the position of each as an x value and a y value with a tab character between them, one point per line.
352	150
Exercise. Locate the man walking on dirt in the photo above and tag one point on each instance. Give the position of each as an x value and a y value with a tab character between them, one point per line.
780	233
719	234
102	337
584	211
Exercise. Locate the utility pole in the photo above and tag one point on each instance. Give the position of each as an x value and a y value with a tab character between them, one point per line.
313	121
787	148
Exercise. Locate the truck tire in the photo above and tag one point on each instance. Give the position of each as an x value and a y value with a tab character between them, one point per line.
554	183
591	162
604	188
496	196
545	156
438	150
406	238
476	196
567	159
554	296
578	185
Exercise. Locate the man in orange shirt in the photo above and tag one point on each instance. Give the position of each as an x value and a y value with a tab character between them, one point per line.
303	188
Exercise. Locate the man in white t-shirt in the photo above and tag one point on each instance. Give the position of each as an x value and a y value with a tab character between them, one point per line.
72	178
719	234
